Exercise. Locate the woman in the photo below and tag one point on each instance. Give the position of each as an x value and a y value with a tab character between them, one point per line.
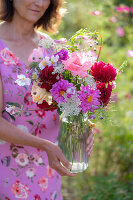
29	160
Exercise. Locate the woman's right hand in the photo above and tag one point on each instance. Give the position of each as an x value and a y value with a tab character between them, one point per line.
56	157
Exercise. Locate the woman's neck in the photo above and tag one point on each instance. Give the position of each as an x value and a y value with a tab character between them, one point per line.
20	29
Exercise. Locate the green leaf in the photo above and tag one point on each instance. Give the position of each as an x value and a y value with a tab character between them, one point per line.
25	87
30	122
59	111
123	66
14	104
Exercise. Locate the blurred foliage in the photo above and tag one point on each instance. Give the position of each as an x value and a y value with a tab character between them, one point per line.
110	174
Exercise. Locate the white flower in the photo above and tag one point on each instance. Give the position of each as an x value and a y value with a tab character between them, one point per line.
54	60
58	69
71	107
90	81
47	43
22	80
35	74
44	62
22	159
30	172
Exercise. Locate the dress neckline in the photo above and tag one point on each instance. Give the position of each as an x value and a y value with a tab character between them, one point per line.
20	60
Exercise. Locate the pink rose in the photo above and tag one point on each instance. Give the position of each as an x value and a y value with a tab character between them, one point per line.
37	55
43	183
22	159
8	57
120	31
20	191
78	63
50	172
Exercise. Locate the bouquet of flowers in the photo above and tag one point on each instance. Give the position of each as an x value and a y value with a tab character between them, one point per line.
67	76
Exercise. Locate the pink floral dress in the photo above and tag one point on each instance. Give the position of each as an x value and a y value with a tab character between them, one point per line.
24	171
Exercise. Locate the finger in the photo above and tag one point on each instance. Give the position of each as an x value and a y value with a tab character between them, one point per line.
64	161
63	172
90	145
89	153
90	138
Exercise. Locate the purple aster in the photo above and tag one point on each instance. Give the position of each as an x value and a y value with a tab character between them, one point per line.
63	54
89	98
59	89
92	117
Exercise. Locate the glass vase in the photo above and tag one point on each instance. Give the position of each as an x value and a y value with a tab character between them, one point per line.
74	131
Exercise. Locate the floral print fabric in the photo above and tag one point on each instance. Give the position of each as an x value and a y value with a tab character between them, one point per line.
24	171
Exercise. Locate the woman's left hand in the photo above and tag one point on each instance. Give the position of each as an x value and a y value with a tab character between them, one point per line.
90	140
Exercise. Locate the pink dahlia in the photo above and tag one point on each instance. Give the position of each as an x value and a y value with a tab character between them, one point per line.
103	72
61	88
89	98
63	54
78	63
105	92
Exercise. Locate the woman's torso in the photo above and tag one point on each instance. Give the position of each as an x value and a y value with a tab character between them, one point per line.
16	160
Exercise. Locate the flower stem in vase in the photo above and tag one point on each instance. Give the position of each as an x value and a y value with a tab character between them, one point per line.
72	141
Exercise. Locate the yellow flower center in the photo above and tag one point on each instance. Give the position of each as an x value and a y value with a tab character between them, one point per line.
52	62
62	92
23	79
44	63
35	76
89	99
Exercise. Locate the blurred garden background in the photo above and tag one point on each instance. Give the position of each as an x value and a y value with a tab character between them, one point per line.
110	172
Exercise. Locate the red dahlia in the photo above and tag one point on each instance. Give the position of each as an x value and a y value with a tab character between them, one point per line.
47	78
45	106
103	72
105	92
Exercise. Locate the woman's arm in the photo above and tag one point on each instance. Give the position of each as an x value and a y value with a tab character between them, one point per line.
12	134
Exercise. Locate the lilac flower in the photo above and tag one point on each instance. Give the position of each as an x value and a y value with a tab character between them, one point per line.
59	90
63	54
89	98
60	41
